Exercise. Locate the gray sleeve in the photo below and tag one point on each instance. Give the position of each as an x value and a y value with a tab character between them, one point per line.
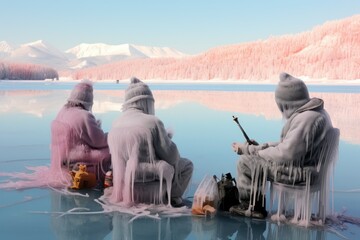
305	133
165	148
93	135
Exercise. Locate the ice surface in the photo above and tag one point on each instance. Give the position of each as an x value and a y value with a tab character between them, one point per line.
258	112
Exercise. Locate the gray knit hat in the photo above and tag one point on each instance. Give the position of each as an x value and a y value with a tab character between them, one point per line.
82	93
137	90
291	91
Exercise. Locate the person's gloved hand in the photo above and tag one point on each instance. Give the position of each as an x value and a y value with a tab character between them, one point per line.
254	142
240	148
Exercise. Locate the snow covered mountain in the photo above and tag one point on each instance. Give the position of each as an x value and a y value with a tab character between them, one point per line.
330	51
81	56
39	52
5	49
89	55
99	49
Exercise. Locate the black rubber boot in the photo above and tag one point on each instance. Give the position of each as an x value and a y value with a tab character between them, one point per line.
260	207
242	209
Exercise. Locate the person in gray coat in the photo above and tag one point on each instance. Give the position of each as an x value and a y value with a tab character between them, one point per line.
307	123
138	136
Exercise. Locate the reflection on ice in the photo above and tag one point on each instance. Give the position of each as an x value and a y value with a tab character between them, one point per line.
145	228
136	210
275	231
71	219
24	200
123	222
78	226
343	107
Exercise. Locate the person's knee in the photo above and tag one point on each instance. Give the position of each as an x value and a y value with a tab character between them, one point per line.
190	166
187	165
245	162
241	164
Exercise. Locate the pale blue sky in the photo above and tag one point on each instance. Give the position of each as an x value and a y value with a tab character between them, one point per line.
191	26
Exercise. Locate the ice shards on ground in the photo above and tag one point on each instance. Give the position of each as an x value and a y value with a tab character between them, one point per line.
36	177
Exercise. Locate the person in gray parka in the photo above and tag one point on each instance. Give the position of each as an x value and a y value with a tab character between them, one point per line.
138	136
307	123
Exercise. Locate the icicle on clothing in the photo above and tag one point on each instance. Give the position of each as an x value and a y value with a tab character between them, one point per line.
142	152
314	192
76	137
297	159
133	161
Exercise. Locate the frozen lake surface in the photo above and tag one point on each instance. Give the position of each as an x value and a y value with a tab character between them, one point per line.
201	117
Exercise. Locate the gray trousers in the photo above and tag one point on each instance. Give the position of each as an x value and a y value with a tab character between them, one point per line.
253	172
184	173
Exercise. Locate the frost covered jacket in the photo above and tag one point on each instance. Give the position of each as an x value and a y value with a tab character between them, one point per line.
138	137
301	137
151	135
76	136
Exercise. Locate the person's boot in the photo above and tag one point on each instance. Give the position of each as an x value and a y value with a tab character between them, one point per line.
177	202
260	208
242	209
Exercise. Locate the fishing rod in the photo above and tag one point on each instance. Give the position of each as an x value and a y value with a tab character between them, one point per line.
242	130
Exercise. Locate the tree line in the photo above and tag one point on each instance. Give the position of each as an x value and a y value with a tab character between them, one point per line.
329	51
26	71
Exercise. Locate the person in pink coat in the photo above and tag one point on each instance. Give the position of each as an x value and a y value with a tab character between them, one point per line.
77	137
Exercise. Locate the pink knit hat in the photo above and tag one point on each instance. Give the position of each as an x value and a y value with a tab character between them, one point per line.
83	94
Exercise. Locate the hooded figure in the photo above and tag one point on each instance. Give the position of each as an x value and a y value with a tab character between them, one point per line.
307	123
76	136
138	136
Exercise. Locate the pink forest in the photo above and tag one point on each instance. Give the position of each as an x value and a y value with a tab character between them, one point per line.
330	51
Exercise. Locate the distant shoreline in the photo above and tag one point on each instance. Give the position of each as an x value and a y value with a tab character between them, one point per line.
307	80
213	81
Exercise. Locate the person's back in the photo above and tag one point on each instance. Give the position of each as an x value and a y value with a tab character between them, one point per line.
301	136
301	142
130	141
76	134
134	127
139	135
83	128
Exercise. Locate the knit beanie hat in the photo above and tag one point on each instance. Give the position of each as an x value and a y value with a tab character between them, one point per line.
137	90
82	93
291	91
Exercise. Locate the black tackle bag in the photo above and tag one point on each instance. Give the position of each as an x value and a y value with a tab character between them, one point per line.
228	192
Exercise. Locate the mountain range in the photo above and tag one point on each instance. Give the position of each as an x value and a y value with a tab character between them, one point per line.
327	52
330	51
81	56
